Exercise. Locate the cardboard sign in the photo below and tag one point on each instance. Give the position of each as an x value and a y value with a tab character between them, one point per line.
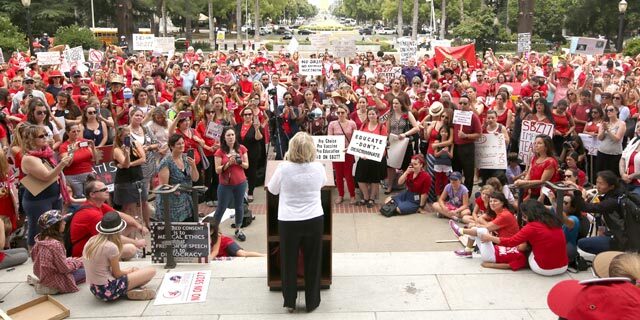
531	129
462	117
164	44
407	49
329	148
368	145
591	143
344	47
180	287
524	42
191	242
491	151
311	67
320	41
142	42
48	58
590	46
397	149
74	55
214	130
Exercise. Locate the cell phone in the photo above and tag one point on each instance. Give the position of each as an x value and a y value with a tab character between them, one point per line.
83	144
186	114
127	141
190	153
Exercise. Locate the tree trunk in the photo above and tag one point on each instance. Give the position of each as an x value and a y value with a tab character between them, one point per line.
399	26
461	11
256	35
187	20
506	22
212	33
164	18
239	21
124	19
443	19
414	23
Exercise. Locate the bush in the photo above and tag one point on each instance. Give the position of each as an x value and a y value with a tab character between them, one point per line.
631	47
204	45
75	35
10	37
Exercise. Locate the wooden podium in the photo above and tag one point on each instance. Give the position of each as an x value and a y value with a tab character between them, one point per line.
273	235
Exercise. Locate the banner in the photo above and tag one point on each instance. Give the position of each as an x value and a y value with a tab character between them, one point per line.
143	42
368	145
214	130
397	149
407	49
48	58
191	242
466	52
74	55
591	143
491	151
590	46
164	44
524	42
95	56
183	287
530	129
310	67
106	168
329	148
462	117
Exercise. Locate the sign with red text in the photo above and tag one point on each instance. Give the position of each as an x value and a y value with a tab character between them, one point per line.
367	145
530	130
183	287
491	151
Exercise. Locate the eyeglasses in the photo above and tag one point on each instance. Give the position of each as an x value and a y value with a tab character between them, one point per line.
209	111
100	190
247	115
611	110
40	113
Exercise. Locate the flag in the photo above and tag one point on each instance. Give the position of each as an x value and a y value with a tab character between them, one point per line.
466	52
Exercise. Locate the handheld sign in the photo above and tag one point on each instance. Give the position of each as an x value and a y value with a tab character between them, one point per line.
407	48
462	117
191	242
530	129
491	151
368	145
74	55
106	168
310	67
591	143
214	130
48	58
329	148
142	42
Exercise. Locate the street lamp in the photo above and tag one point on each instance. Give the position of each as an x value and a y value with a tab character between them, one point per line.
27	4
622	8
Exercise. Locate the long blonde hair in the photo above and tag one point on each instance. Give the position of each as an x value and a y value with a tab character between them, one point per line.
625	265
98	241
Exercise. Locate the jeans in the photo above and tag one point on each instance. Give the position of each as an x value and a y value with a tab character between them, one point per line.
34	209
14	257
595	245
225	195
211	180
572	252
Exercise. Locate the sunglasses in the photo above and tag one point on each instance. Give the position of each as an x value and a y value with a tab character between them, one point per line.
209	111
617	98
611	110
40	113
340	112
91	112
247	115
101	190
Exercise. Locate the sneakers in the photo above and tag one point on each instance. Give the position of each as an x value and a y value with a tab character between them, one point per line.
240	235
456	229
463	253
141	294
210	204
32	280
44	290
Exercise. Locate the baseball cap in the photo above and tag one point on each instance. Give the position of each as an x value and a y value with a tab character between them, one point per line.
602	261
76	74
455	176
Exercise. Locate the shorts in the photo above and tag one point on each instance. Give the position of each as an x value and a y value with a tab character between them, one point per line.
232	249
450	206
111	291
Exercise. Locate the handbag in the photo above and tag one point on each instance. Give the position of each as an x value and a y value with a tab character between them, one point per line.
35	186
389	209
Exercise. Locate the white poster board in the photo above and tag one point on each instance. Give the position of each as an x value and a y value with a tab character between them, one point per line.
491	151
320	41
48	58
214	130
293	45
368	145
344	47
462	117
530	129
397	149
95	56
143	42
164	44
329	148
524	42
311	67
440	43
74	55
591	143
407	49
183	287
589	46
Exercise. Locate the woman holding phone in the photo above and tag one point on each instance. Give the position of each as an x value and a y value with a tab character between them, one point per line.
83	153
129	157
250	136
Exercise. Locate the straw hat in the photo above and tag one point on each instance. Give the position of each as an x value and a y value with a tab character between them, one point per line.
436	109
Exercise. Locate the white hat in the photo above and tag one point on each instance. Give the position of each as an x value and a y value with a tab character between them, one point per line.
199	51
336	66
379	86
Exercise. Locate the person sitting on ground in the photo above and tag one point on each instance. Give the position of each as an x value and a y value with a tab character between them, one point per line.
514	171
543	233
83	223
499	183
9	257
418	184
101	257
480	205
55	271
498	219
223	246
453	203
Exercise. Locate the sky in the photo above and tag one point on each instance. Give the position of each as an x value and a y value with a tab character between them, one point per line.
321	4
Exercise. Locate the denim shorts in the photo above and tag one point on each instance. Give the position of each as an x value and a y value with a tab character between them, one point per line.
111	291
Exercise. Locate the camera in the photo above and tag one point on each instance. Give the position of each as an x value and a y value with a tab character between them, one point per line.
238	159
272	91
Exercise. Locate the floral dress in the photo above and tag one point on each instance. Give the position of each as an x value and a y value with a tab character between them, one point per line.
180	200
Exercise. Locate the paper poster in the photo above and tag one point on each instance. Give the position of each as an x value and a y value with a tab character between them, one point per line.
368	145
95	56
74	55
320	41
293	45
590	46
190	240
591	143
531	129
524	42
344	47
397	149
329	148
164	44
407	49
180	287
143	42
491	151
48	58
310	67
106	168
462	117
214	130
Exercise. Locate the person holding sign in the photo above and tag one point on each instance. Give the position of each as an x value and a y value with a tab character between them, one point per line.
565	126
401	125
211	144
369	172
610	135
250	136
464	137
344	170
543	167
491	125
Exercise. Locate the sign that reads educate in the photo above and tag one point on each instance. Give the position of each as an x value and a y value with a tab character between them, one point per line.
531	129
190	240
491	151
407	49
48	58
524	42
310	67
180	287
329	148
590	46
142	42
214	130
462	117
367	145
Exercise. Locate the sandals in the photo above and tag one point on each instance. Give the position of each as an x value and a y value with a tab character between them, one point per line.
338	200
370	203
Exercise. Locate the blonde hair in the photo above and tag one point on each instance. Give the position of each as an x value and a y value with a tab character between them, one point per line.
31	132
98	241
625	265
302	149
487	187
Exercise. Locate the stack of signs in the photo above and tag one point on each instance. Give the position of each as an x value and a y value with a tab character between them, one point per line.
329	148
74	56
590	46
191	242
48	58
183	287
407	49
524	42
143	42
311	67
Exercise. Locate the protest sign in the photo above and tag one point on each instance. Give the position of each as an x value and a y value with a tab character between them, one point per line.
1	56
397	149
293	45
491	151
591	143
143	42
311	67
105	169
367	145
344	47
524	42
329	148
183	287
214	130
440	43
95	56
190	242
407	49
48	58
462	117
74	55
164	44
589	46
220	36
320	41
530	129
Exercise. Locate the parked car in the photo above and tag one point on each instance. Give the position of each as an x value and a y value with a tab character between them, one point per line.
287	36
365	31
305	32
283	30
386	31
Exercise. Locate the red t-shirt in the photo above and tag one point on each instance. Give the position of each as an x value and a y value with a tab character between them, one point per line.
507	223
580	112
225	242
234	175
420	184
548	245
482	89
512	256
83	225
475	127
562	122
537	169
480	204
82	159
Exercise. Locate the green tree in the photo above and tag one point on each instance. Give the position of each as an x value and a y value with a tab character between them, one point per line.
75	35
478	26
10	36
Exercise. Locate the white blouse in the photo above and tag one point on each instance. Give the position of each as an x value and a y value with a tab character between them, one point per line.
298	185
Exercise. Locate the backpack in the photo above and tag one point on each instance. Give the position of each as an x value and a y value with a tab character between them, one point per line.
247	217
629	209
66	234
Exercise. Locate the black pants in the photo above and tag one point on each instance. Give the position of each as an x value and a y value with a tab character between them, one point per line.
251	174
464	162
306	234
211	181
608	162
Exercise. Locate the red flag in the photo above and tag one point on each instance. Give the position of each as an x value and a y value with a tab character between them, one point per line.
466	52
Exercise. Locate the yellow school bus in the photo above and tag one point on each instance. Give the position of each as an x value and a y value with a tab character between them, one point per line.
110	35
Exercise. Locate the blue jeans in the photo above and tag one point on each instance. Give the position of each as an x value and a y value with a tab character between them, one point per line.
595	245
34	209
634	189
225	195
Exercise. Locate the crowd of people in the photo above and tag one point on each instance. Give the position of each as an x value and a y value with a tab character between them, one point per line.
213	119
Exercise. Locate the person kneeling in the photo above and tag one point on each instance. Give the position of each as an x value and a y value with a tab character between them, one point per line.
418	183
101	257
